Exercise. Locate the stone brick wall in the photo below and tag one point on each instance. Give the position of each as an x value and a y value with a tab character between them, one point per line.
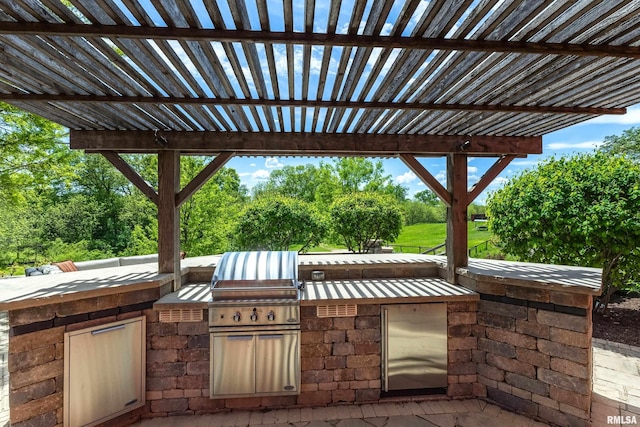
340	357
340	362
36	340
534	351
4	367
461	343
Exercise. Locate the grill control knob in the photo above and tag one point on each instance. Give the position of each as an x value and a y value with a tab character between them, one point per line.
271	316
236	316
254	315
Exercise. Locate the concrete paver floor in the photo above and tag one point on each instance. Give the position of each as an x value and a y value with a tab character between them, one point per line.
458	413
616	382
616	392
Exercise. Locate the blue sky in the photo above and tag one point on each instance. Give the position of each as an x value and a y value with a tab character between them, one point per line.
584	137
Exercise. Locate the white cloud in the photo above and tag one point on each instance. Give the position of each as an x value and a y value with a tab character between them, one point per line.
631	118
472	169
260	175
253	165
272	162
243	174
406	178
418	13
573	145
524	163
386	29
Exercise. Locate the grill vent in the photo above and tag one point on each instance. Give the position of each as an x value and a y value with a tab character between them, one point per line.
337	310
184	315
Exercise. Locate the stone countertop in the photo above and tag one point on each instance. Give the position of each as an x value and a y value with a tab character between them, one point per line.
580	280
21	292
372	291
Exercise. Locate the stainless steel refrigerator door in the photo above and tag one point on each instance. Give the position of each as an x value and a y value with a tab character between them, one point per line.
414	346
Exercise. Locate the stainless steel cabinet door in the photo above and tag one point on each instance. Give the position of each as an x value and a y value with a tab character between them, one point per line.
414	346
104	372
277	362
232	364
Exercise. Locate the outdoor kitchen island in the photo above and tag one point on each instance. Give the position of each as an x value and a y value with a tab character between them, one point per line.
518	334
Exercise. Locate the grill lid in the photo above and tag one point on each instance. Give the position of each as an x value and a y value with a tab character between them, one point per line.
256	274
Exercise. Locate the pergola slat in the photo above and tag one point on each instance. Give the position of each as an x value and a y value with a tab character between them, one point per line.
391	78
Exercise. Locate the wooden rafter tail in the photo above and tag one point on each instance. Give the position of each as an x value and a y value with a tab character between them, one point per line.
317	39
130	173
370	105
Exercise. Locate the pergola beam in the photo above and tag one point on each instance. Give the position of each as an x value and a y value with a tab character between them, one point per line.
426	177
169	215
457	235
130	173
488	177
205	174
316	39
370	105
302	143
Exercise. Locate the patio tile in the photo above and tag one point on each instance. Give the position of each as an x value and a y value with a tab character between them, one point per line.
377	421
256	418
355	411
415	408
306	414
353	422
282	416
431	407
380	410
293	415
344	412
391	408
368	411
409	421
319	423
441	420
452	406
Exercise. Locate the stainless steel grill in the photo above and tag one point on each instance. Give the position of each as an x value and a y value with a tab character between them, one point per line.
254	323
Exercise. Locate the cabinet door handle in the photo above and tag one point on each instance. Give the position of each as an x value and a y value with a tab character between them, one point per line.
240	337
105	330
271	337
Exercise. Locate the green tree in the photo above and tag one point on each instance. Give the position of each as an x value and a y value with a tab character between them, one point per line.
362	218
298	182
628	143
580	210
34	154
427	197
356	174
277	223
208	217
415	212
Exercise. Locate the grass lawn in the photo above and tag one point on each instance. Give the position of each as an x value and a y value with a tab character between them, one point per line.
430	235
420	237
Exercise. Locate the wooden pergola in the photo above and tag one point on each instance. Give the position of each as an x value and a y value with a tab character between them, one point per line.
406	78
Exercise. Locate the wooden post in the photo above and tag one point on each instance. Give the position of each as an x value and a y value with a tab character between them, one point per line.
169	215
457	241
